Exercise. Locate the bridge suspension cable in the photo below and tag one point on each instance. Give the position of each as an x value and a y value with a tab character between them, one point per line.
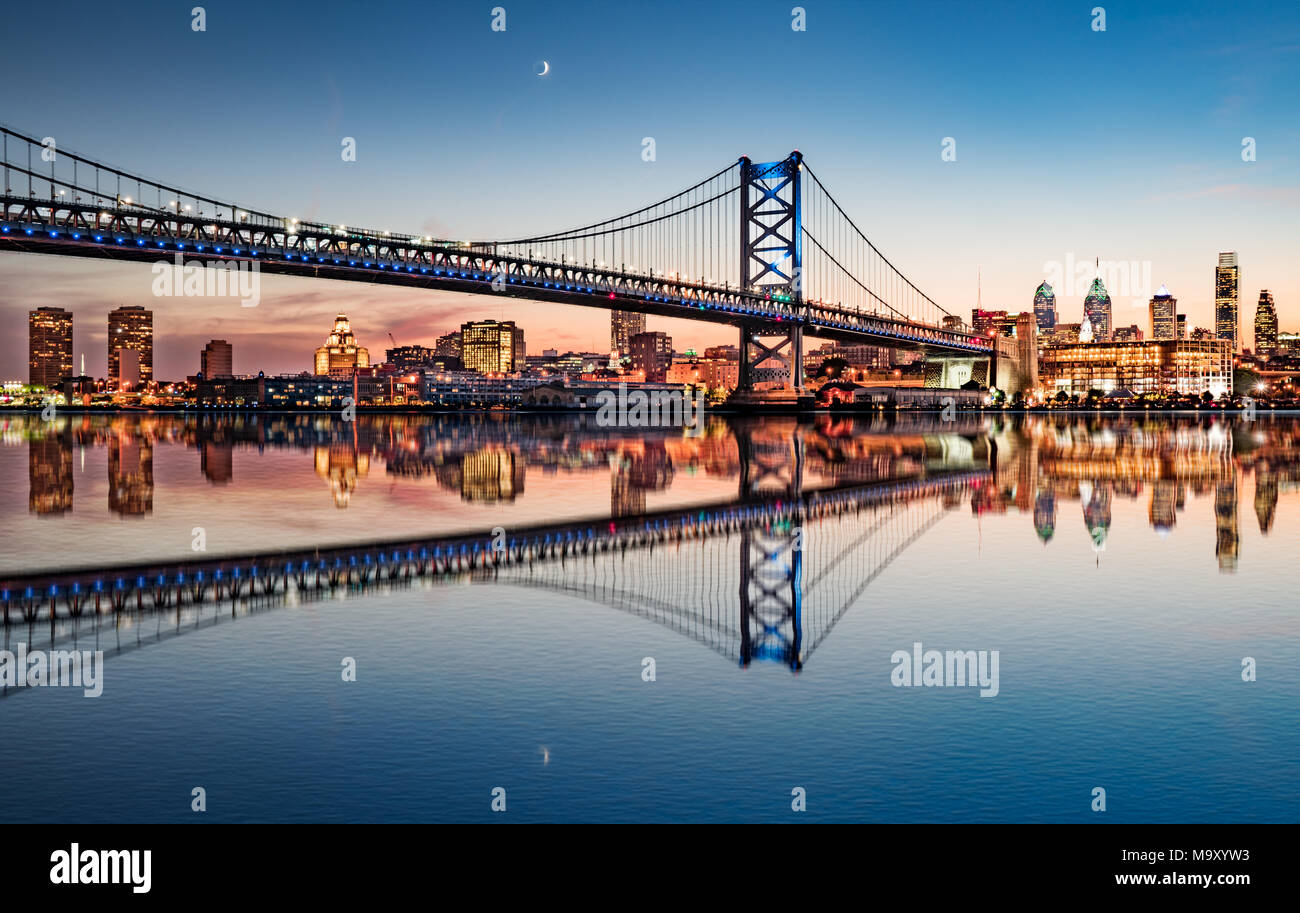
842	267
692	235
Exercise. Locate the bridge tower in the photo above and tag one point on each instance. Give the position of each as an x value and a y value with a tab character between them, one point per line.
771	263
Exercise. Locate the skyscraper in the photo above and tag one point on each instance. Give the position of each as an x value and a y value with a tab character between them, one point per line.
623	325
341	355
1227	291
130	327
489	347
1045	308
217	360
1265	324
49	346
1164	315
1096	306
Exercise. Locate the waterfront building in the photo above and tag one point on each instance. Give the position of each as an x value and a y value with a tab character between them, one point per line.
1162	366
217	359
49	347
1164	317
489	347
410	358
341	356
130	328
1227	292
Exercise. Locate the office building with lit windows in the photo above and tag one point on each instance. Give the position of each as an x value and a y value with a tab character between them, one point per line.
130	328
1227	294
49	347
1164	315
489	347
1265	324
1045	308
1165	366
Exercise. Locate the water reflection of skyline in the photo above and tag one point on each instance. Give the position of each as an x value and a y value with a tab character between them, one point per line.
1041	464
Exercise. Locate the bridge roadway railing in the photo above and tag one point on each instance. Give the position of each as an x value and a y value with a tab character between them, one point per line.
138	233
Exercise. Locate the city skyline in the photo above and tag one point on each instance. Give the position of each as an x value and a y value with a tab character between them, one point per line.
1173	203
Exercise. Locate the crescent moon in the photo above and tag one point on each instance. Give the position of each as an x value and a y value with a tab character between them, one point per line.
546	68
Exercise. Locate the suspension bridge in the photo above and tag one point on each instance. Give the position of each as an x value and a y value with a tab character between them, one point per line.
761	246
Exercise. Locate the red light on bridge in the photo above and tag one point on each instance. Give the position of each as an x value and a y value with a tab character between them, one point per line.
611	294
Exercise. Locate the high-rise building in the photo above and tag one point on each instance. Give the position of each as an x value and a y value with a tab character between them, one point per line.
1181	332
1045	308
1164	315
1097	308
448	346
1227	293
623	325
489	347
1265	324
217	360
130	327
653	354
49	347
341	355
987	323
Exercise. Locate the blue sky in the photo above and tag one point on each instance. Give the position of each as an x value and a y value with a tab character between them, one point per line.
1123	144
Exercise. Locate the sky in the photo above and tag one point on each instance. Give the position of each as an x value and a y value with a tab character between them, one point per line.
1072	143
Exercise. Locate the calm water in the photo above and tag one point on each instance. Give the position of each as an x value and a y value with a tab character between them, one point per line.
1121	568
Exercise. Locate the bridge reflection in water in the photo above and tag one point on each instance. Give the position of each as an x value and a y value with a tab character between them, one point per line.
765	576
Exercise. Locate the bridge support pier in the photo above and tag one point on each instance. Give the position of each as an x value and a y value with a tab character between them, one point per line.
771	370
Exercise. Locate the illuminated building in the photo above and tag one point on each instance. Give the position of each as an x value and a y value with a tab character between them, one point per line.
1227	292
1150	366
448	346
341	355
409	358
652	353
1097	308
217	359
49	347
131	328
987	323
623	325
1164	316
1265	325
489	347
1045	308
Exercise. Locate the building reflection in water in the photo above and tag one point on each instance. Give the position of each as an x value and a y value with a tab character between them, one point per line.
1162	512
634	471
1227	541
1265	500
341	465
1096	512
217	461
50	483
130	473
1045	515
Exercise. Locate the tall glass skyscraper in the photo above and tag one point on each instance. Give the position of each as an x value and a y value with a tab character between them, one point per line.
1096	307
1045	308
1265	324
1227	293
1164	316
